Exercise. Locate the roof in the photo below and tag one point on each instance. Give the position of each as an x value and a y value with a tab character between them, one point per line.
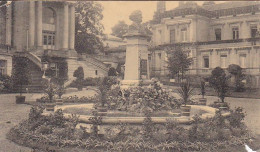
113	38
228	5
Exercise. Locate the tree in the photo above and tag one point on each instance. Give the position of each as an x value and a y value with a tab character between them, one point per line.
79	74
237	72
120	29
219	81
179	62
88	28
20	73
112	72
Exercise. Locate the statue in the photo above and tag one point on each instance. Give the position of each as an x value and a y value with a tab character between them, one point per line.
136	26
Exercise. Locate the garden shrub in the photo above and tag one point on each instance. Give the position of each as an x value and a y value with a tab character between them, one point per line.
219	81
140	99
237	72
54	132
7	83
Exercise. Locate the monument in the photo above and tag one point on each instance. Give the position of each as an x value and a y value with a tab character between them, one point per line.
136	63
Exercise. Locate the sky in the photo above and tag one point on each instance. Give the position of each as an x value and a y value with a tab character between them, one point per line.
115	11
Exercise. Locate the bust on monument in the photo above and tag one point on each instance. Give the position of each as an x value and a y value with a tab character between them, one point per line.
136	27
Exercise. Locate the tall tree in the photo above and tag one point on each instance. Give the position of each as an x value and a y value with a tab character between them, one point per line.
88	30
120	29
179	62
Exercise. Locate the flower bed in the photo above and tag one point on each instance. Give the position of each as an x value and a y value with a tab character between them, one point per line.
55	132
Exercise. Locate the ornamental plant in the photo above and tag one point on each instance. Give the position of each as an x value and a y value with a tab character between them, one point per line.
219	81
237	72
186	91
21	73
79	74
50	90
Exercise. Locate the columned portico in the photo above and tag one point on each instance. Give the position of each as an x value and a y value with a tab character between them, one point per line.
72	27
65	38
31	23
39	24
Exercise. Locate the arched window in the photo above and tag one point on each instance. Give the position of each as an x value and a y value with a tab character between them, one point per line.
48	15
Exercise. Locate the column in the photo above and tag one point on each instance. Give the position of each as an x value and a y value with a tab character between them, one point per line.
9	25
65	39
39	24
31	23
72	28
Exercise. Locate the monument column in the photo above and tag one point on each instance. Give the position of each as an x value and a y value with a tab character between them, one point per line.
31	23
65	39
136	64
8	25
72	27
39	24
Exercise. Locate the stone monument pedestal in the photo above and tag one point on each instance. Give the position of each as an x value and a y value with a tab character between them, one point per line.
136	63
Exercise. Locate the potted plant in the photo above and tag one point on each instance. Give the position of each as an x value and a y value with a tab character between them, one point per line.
50	91
186	92
202	100
20	76
60	91
219	81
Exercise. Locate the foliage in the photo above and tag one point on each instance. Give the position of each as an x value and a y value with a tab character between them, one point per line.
79	74
236	117
20	73
120	29
50	90
112	72
60	91
237	72
140	99
7	83
219	81
88	28
213	134
186	91
179	62
95	120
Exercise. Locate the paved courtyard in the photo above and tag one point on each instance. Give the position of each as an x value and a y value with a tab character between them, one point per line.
11	114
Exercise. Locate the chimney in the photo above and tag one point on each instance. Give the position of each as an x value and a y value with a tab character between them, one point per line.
161	6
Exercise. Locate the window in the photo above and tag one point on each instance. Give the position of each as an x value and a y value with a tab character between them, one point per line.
96	72
253	31
223	61
45	41
206	62
159	55
172	36
242	60
184	35
235	33
3	67
218	34
48	38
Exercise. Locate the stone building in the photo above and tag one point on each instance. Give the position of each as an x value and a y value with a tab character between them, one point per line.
212	34
44	33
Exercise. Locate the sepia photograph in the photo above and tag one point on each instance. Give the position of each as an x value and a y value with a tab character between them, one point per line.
129	76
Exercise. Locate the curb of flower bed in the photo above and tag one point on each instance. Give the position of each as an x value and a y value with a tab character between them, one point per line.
210	112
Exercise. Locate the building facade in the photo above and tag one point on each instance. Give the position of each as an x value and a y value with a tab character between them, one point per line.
214	35
44	33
